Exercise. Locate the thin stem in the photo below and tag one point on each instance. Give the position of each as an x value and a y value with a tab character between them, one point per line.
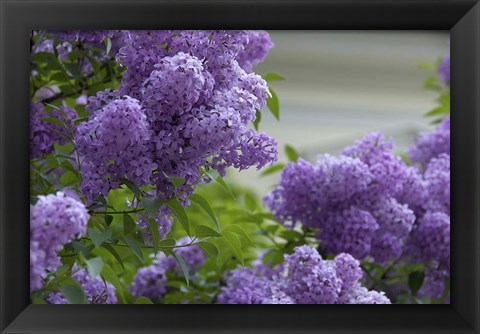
117	212
191	243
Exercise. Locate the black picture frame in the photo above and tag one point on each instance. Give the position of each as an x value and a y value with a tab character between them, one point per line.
461	17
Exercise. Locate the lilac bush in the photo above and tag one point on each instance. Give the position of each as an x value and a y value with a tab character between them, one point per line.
132	133
304	278
353	200
194	102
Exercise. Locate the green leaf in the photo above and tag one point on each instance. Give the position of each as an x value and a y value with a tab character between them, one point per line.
274	105
240	232
272	76
47	60
60	157
426	66
108	45
224	185
59	77
183	266
291	235
176	181
81	249
432	84
167	243
80	120
152	207
68	89
208	248
98	238
446	290
179	211
153	228
143	300
134	246
202	202
272	170
250	201
75	55
218	180
203	231
292	154
108	219
54	120
115	254
133	188
111	276
69	167
128	224
94	266
44	57
73	292
423	300
61	112
445	99
273	257
234	243
38	300
69	178
415	281
258	118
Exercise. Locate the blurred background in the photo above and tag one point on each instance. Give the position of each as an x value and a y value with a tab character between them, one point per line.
340	85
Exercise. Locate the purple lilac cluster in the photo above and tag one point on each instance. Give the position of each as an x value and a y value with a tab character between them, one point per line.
97	291
444	70
355	200
162	218
62	43
44	134
184	103
255	51
114	144
430	237
89	37
434	285
431	233
150	281
431	144
55	220
303	278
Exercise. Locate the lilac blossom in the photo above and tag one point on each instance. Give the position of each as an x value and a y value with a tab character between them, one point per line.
151	281
97	291
430	144
197	102
350	199
444	70
255	51
44	134
303	278
55	220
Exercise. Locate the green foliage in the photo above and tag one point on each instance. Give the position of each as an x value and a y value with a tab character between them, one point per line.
72	291
273	104
433	83
272	76
292	154
143	300
227	222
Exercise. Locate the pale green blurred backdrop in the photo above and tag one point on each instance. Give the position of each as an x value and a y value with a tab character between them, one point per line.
341	84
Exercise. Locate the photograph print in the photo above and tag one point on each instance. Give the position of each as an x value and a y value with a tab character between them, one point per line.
239	167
